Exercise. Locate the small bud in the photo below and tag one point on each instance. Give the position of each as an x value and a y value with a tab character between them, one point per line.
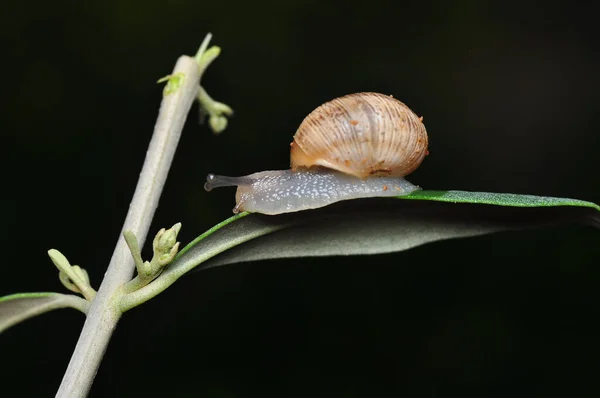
217	123
157	238
166	239
168	257
165	246
207	57
73	277
59	260
81	274
219	107
173	82
68	282
145	269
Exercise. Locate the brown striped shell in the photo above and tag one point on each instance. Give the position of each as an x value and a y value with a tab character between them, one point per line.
361	134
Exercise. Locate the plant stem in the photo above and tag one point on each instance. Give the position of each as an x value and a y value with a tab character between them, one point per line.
104	314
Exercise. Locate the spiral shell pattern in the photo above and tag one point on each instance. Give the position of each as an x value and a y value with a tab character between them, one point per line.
363	134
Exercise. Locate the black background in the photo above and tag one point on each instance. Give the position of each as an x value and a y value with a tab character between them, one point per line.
510	98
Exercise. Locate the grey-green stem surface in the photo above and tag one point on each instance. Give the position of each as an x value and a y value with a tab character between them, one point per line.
103	314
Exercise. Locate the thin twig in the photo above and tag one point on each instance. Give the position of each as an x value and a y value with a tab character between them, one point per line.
103	313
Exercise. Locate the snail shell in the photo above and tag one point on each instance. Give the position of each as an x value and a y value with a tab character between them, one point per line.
363	134
356	146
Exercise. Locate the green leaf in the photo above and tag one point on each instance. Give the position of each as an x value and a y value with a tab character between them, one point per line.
498	199
19	307
378	225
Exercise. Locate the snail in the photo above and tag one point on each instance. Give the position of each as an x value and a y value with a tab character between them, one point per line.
356	146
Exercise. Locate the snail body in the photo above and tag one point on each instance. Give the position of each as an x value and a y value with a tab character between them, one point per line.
356	146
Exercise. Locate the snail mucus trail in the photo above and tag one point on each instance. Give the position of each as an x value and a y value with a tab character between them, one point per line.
357	146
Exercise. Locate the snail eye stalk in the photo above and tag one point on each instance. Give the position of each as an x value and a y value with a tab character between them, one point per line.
217	181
